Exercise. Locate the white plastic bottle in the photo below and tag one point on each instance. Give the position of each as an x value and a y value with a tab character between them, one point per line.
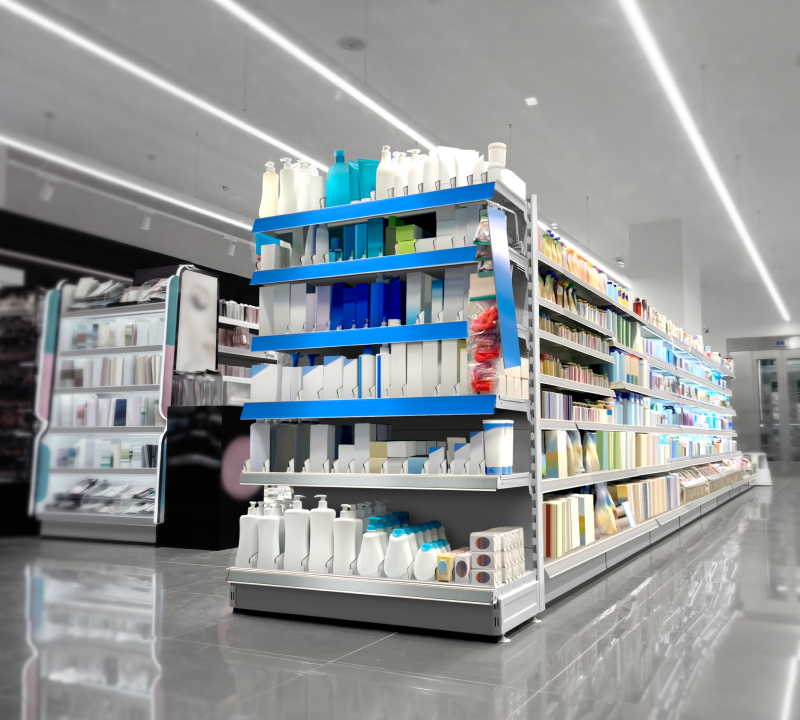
321	536
415	172
302	185
297	521
346	535
425	562
316	189
412	540
384	175
398	555
372	553
427	532
248	537
269	192
401	174
430	172
287	200
270	537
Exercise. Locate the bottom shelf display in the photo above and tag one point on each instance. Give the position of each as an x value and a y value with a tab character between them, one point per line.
98	496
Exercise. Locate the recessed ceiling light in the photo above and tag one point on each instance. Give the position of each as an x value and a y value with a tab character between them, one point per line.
620	262
554	226
351	44
531	101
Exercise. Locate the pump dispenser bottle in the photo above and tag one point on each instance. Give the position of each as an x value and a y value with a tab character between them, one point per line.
401	174
372	553
297	521
321	536
269	192
248	537
346	534
302	185
270	537
287	201
384	177
415	172
430	172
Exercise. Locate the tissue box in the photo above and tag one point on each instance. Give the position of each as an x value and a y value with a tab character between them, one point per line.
486	541
444	567
482	577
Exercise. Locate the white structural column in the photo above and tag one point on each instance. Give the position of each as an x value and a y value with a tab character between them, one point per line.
662	269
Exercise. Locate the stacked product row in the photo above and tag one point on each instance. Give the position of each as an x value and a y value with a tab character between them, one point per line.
563	294
368	448
237	371
110	371
238	311
235	337
369	542
581	337
88	335
93	293
107	453
571	452
552	366
91	411
93	495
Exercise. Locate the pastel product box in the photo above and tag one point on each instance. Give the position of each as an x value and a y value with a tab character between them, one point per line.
482	577
443	243
323	308
348	308
444	566
394	465
406	248
416	464
375	464
462	565
323	448
414	367
265	385
297	321
311	311
405	233
555	448
418	298
401	448
313	382
485	541
460	462
281	308
378	304
367	376
337	305
362	241
333	377
431	367
437	301
390	235
481	287
350	379
266	320
378	449
362	306
425	245
363	435
487	560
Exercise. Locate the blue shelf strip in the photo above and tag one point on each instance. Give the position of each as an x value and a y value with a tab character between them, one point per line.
509	336
360	337
367	266
358	212
380	407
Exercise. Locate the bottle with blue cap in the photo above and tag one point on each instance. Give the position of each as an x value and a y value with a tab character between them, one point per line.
425	562
427	531
372	552
337	189
398	555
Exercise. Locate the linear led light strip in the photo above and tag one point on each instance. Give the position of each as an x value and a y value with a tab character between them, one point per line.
659	65
104	175
66	33
284	43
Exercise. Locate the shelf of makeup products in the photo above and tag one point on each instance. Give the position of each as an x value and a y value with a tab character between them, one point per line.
466	608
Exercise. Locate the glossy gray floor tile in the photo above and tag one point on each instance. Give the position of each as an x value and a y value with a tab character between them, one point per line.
703	625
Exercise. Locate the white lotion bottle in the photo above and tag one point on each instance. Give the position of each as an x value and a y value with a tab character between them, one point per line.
372	553
270	537
269	192
321	552
398	556
287	200
297	521
316	189
425	562
384	175
248	537
430	172
302	185
401	174
415	172
346	534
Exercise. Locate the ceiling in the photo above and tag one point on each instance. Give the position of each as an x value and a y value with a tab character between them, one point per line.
458	71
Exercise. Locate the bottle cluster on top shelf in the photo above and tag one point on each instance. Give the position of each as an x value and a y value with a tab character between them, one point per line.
368	448
238	311
552	366
580	337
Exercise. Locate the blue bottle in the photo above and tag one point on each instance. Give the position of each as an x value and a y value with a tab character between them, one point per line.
337	189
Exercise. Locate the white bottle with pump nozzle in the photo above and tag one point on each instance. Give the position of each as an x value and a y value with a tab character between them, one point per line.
430	172
372	553
415	172
321	550
297	521
384	175
269	192
248	537
401	174
302	185
270	537
316	189
287	199
346	534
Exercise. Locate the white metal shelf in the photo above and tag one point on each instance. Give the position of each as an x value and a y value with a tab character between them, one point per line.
681	347
636	353
586	352
101	471
673	398
575	386
241	353
685	375
222	320
241	380
389	481
115	311
515	404
678	463
128	350
547	424
106	389
604	427
573	317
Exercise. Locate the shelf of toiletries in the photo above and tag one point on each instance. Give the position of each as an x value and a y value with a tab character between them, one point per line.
673	397
115	311
582	350
237	323
75	410
681	347
564	384
546	424
685	375
569	316
242	353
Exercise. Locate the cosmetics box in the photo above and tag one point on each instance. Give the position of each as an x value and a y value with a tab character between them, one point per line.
444	566
431	367
384	369
323	308
425	245
450	349
443	243
393	465
313	382
437	461
260	448
418	298
416	465
362	305
401	448
482	577
363	435
485	541
265	385
398	370
345	460
295	376
477	460
459	465
348	319
350	379
266	324
282	303
378	304
333	377
367	376
396	302
322	448
298	310
375	233
311	311
336	306
481	287
414	365
437	301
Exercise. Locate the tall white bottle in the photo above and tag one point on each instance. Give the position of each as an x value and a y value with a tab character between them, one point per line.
269	192
302	185
398	555
384	175
271	536
430	171
346	534
297	521
287	200
372	553
415	172
322	518
401	174
316	189
248	537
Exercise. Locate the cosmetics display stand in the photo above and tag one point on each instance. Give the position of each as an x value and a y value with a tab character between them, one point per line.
463	503
90	500
237	389
583	563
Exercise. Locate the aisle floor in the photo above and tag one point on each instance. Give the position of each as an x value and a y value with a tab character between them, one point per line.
702	625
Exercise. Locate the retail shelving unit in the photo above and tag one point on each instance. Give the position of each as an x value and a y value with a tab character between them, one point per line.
582	563
464	503
89	515
236	390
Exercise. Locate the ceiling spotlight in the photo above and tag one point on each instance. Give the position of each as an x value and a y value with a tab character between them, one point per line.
145	222
231	248
620	262
555	226
531	101
46	193
351	44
